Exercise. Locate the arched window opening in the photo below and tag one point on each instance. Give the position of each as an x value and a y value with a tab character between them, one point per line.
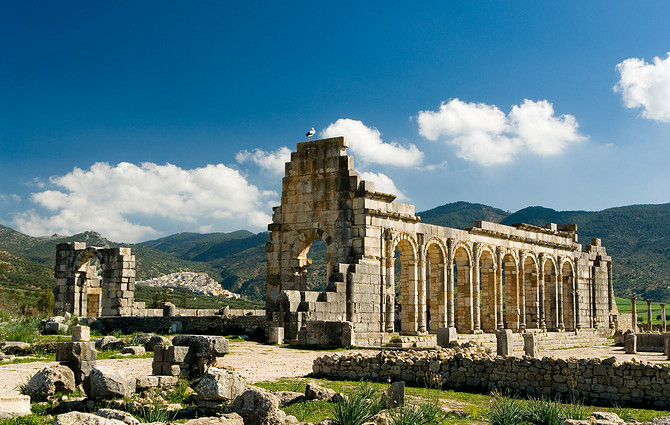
318	268
531	286
406	290
550	295
463	283
489	296
510	276
569	295
88	284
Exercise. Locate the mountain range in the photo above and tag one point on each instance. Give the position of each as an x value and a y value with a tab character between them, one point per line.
636	236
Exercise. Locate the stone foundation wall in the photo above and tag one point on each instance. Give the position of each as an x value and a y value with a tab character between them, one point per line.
255	326
594	380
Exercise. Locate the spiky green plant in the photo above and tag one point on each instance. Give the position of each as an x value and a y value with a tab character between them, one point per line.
544	412
155	413
505	411
363	403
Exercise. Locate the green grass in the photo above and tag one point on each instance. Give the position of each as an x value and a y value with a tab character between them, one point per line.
624	306
31	419
474	404
24	330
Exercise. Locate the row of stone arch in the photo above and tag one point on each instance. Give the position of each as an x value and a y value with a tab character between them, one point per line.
476	287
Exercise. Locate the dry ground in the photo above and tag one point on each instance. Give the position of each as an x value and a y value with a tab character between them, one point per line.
259	362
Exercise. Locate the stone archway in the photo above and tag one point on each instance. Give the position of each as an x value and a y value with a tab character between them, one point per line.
489	298
436	317
464	290
407	280
551	290
569	294
531	287
512	292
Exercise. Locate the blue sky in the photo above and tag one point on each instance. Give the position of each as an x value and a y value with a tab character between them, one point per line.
190	106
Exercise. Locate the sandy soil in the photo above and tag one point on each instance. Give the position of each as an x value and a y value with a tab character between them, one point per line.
260	362
256	361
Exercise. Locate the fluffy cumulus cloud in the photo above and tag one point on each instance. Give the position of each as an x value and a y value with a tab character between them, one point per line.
115	199
367	144
383	183
486	135
272	162
647	86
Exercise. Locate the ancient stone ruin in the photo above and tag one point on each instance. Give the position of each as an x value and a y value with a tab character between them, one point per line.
92	282
480	279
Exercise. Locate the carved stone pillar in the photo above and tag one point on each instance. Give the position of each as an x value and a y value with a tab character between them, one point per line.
633	312
663	319
650	326
476	286
578	298
522	291
541	319
450	284
422	289
561	305
499	291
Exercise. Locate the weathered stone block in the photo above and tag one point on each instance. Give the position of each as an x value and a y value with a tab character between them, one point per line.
396	394
446	336
276	335
81	333
630	343
530	345
504	340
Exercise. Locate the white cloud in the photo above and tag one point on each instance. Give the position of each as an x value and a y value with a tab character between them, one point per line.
367	144
269	161
115	199
484	134
11	198
646	85
383	183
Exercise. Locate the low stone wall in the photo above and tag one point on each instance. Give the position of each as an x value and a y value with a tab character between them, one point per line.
595	380
255	326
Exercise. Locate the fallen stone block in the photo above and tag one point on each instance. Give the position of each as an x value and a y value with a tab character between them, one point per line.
203	345
14	406
106	382
220	384
53	328
81	333
110	343
287	398
49	381
119	415
396	394
317	392
258	406
225	419
157	340
135	350
79	418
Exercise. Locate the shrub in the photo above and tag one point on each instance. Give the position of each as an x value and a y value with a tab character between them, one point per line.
155	413
544	412
505	411
363	403
25	330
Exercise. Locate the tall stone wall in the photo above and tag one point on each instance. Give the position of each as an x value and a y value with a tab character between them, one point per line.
483	278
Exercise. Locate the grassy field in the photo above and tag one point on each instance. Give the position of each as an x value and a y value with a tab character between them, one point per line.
624	306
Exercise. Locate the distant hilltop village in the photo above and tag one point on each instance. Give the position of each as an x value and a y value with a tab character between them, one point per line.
200	283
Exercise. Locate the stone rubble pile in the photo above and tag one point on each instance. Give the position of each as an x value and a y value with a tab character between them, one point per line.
189	356
200	283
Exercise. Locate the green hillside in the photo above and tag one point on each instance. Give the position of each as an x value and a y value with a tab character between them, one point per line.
23	282
636	236
188	245
150	262
461	214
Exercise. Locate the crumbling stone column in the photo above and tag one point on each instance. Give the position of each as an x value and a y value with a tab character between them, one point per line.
504	342
633	312
530	346
79	355
630	343
396	394
663	319
650	325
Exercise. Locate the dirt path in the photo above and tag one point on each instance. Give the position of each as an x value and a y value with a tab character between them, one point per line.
258	362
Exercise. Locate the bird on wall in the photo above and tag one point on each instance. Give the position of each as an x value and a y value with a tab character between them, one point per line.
310	133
